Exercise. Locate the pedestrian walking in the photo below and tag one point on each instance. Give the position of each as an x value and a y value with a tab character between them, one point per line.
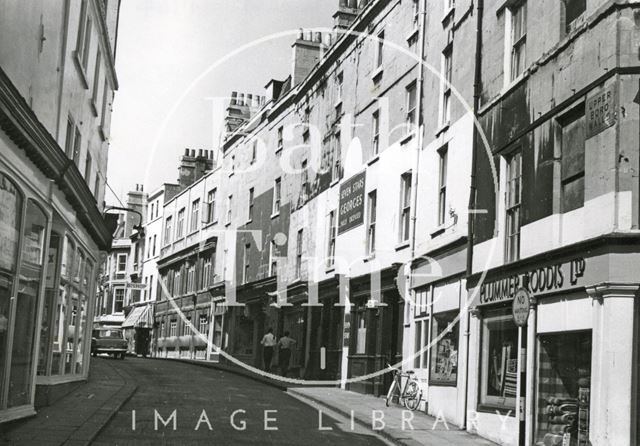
284	344
268	343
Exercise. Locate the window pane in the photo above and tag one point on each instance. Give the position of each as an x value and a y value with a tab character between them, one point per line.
24	334
499	361
444	353
564	382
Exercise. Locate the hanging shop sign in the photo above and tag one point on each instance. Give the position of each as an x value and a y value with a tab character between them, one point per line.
351	210
600	110
521	306
543	279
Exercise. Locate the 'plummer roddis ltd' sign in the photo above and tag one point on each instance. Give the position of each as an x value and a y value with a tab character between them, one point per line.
542	279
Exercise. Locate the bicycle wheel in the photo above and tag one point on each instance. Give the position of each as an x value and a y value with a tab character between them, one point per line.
412	395
392	387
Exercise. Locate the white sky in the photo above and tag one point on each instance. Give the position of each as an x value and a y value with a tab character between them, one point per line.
163	46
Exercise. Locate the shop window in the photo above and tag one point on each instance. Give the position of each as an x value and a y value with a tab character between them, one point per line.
417	360
23	349
444	353
572	166
499	361
564	382
361	332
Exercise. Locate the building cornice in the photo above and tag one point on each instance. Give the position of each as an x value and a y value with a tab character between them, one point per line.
21	124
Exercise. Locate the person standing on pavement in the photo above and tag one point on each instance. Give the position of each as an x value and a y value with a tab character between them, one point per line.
268	343
284	344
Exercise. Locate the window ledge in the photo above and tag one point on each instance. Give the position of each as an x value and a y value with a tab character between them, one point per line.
439	231
83	76
275	214
231	173
279	151
408	137
412	34
402	245
103	136
443	128
369	258
377	74
447	15
227	224
210	223
373	159
334	182
338	103
249	221
94	108
330	269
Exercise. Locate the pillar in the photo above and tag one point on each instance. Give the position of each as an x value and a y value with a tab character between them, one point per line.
612	363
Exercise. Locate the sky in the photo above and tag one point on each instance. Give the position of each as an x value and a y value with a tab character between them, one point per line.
173	57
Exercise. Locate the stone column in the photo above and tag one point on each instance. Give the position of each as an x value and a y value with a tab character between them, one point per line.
612	363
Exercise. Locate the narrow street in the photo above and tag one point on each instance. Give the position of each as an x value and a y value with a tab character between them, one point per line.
167	386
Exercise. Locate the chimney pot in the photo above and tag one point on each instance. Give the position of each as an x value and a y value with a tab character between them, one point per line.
241	99
300	34
186	152
200	152
318	36
193	153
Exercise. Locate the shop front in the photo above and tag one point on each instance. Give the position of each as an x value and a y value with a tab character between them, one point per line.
47	291
553	340
374	332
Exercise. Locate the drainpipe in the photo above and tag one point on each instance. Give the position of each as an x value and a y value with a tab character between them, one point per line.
477	81
419	136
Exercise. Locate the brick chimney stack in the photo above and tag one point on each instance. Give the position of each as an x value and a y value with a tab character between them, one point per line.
136	199
242	107
307	51
194	166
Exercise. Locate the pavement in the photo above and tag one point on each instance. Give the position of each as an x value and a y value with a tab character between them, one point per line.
77	418
133	401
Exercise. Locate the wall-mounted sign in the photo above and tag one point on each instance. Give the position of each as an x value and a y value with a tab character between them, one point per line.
136	286
539	280
600	110
351	210
521	305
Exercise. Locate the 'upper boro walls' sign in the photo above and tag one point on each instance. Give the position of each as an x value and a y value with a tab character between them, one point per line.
540	280
601	110
351	211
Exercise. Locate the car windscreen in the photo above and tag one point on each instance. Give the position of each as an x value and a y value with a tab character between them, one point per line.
114	334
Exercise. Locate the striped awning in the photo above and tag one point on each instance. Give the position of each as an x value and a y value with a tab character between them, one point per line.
139	317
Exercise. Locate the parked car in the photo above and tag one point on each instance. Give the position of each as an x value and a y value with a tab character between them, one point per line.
110	341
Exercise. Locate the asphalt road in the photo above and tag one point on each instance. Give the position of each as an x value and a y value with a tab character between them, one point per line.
212	407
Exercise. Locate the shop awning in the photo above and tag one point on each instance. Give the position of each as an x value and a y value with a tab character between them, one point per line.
139	317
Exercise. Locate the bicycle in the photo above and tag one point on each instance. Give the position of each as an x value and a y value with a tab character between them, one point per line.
410	395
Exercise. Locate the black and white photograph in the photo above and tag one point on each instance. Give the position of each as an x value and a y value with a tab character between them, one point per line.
320	222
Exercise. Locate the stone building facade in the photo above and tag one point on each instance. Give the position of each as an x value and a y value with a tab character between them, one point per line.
57	81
